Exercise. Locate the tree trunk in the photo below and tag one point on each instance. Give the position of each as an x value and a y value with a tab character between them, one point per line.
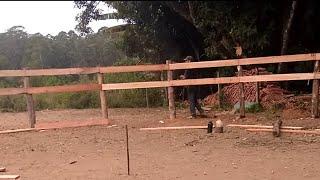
285	37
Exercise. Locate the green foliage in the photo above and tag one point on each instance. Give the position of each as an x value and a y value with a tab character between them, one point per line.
255	108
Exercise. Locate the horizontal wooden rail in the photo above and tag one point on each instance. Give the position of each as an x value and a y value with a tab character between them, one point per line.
135	85
48	72
137	68
50	89
246	61
161	67
206	81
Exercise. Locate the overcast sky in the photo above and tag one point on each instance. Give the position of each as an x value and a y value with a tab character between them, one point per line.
45	17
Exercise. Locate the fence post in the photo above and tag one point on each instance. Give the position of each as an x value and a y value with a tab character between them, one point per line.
30	102
103	100
147	98
257	89
172	108
219	90
242	103
315	93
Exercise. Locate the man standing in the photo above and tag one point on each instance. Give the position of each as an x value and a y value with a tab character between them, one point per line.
192	90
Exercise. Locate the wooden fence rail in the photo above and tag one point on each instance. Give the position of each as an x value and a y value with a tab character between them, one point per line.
170	83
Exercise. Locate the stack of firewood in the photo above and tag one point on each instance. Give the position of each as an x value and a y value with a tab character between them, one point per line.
270	92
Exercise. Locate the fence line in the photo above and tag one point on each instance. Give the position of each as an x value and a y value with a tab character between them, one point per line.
170	83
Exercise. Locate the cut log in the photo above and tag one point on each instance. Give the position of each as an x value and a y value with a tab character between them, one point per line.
261	126
9	176
2	169
285	130
173	128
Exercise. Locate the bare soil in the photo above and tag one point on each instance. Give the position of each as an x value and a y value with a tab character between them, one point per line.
98	152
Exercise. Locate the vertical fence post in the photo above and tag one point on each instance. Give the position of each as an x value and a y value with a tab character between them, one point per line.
219	91
257	89
164	90
103	99
315	93
147	98
242	103
30	102
172	108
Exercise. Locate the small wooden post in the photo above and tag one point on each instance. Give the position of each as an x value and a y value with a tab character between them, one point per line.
103	100
219	90
242	103
127	144
315	93
30	103
257	89
172	108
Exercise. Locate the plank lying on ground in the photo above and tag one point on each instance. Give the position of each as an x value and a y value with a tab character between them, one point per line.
261	126
285	130
17	130
2	169
9	176
71	124
177	127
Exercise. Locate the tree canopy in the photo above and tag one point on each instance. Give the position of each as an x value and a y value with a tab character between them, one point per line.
211	29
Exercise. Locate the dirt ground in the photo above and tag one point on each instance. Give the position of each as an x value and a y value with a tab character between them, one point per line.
98	152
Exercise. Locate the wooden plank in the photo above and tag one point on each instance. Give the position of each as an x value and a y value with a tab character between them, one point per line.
206	81
172	108
261	126
9	176
135	85
103	100
246	61
285	130
30	103
137	68
173	128
2	169
12	91
161	67
17	130
66	88
315	93
48	72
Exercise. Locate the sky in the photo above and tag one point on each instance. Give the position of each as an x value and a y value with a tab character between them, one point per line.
46	17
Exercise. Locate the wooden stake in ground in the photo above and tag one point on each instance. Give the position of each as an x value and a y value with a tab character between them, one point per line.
128	157
276	128
30	103
172	108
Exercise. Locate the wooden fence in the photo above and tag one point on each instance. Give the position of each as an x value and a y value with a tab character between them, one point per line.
170	83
